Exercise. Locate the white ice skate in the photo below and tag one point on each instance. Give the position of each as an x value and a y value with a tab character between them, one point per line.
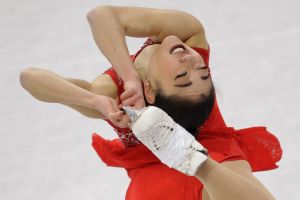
170	142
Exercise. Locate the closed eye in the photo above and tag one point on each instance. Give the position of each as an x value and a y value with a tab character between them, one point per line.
204	77
184	85
181	75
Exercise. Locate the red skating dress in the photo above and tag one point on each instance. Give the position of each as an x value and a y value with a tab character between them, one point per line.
151	179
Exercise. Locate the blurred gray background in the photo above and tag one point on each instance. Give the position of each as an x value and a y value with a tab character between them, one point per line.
45	150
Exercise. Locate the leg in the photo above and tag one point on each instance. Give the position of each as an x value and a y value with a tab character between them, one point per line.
205	195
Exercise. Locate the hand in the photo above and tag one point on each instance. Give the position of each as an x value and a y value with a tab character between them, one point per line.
109	108
133	95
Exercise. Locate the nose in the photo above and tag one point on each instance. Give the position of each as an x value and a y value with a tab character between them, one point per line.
187	58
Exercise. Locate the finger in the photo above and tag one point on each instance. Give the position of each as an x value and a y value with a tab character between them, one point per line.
114	105
127	94
117	115
138	103
130	101
125	121
120	119
121	107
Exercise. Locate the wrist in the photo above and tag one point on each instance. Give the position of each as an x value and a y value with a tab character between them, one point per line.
127	71
130	75
94	102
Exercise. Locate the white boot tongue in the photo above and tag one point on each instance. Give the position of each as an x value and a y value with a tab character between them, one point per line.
133	113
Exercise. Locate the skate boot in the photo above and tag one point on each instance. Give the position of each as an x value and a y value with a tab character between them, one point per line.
169	141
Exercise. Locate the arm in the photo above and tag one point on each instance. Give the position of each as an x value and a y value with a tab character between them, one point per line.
102	85
92	100
110	25
49	87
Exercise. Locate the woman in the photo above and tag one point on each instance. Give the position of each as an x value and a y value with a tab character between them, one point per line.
173	65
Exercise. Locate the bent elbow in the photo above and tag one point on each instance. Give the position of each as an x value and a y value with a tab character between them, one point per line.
90	15
26	76
93	14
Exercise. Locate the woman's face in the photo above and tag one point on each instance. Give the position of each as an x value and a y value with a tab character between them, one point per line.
179	70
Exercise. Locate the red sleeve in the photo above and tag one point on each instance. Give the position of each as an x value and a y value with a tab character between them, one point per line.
117	80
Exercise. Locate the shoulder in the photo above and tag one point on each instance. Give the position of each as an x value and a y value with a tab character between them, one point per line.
104	85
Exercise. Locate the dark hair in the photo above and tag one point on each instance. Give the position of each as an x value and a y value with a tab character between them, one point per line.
189	114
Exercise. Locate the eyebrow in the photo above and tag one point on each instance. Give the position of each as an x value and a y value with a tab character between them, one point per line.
205	77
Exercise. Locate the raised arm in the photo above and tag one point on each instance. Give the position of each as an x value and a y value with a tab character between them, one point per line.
111	24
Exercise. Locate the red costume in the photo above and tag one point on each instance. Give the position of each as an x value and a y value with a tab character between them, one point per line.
151	179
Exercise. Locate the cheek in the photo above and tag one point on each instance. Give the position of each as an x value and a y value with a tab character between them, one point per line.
167	67
164	81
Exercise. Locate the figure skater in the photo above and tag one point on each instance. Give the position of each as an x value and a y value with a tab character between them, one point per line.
173	68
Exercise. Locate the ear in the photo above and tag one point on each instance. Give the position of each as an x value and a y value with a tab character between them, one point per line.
149	92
